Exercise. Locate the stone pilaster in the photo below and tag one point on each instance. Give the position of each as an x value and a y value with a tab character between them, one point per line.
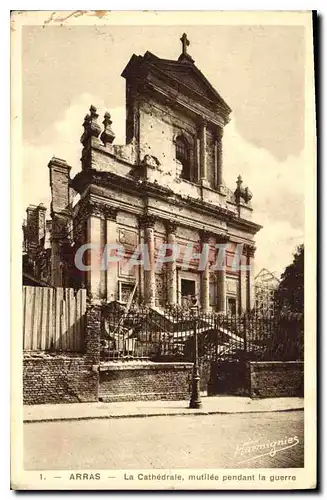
141	288
243	303
219	159
221	290
93	275
250	251
97	230
203	152
111	273
103	272
243	278
221	279
148	222
171	266
205	275
198	158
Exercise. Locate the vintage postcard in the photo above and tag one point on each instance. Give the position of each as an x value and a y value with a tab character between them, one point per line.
164	250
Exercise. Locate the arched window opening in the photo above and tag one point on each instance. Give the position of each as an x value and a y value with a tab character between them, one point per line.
183	155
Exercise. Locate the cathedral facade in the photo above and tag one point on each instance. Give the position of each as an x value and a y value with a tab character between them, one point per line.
163	189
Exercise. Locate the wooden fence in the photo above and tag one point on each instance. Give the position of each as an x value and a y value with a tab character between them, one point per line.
54	319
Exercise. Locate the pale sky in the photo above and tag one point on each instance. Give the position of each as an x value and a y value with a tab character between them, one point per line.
258	70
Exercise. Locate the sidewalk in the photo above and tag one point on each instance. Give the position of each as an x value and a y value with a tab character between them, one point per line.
210	406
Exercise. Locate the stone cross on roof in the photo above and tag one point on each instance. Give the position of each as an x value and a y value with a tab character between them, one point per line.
185	43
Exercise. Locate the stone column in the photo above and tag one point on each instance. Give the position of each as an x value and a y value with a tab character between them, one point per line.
242	303
149	274
103	263
203	148
141	291
171	266
219	159
221	290
93	274
205	276
250	278
243	278
198	158
95	277
221	280
111	273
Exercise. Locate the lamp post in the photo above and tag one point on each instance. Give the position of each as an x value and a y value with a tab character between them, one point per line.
195	401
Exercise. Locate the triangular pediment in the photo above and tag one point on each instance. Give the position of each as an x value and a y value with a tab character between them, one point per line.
182	73
189	76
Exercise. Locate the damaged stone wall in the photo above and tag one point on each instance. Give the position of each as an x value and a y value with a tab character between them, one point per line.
159	125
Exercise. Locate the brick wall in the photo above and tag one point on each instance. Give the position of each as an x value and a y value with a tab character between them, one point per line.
145	381
269	379
264	379
92	334
227	377
68	378
54	378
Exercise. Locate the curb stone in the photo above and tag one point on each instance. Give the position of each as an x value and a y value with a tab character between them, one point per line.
161	414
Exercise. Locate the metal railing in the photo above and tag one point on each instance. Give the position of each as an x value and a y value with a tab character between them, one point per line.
167	335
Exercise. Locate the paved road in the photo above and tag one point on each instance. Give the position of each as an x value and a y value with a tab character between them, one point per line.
211	441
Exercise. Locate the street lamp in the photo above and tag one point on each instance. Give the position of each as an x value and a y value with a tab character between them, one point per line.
195	401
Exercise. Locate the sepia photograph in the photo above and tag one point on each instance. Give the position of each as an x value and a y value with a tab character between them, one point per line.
164	214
